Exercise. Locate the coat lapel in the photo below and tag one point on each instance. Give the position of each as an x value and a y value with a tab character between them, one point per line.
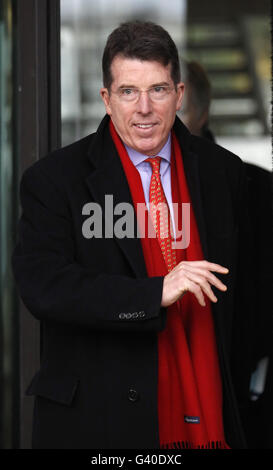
108	178
191	167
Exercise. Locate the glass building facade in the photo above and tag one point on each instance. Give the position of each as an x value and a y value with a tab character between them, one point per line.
235	53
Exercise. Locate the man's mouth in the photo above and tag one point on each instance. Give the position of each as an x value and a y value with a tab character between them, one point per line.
144	126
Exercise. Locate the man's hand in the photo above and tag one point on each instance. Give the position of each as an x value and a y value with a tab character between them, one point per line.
195	277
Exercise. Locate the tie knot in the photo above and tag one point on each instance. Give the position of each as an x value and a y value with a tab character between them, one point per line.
155	163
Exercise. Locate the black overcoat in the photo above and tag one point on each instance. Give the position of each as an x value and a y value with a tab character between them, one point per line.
97	384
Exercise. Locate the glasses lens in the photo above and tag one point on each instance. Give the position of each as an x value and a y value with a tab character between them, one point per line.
129	94
158	93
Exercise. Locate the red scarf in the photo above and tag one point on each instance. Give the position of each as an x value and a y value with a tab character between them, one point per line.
189	383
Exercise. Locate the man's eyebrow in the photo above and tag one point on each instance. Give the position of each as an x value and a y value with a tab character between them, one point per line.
161	84
126	86
151	86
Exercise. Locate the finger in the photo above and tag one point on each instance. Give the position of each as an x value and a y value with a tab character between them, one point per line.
207	274
204	285
197	291
205	265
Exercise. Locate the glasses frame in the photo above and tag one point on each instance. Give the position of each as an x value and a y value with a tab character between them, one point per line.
123	98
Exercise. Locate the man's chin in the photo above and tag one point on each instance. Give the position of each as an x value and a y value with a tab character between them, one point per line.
147	147
150	151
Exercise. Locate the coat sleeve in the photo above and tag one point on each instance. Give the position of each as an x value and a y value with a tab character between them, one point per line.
54	287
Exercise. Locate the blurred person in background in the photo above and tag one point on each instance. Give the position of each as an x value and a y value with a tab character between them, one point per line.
197	98
257	412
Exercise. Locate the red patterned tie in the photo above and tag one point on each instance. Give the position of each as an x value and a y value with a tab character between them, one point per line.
160	214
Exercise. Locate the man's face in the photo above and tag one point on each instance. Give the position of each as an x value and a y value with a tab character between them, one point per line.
143	124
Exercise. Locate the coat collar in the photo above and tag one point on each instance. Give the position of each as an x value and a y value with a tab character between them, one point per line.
108	177
193	177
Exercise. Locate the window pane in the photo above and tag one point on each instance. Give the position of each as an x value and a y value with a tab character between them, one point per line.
236	59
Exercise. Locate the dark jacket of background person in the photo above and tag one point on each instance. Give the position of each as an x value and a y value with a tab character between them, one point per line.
97	385
258	414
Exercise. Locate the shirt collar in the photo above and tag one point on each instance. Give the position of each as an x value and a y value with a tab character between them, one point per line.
137	158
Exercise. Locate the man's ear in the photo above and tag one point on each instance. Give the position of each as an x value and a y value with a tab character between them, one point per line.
104	93
180	87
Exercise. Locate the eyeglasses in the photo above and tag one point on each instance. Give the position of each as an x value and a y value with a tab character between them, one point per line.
155	93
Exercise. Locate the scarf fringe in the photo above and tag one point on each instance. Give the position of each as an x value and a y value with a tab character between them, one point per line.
191	445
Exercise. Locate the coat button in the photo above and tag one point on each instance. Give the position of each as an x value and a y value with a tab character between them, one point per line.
122	316
133	395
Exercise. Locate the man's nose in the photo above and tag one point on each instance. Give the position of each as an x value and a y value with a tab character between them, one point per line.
144	104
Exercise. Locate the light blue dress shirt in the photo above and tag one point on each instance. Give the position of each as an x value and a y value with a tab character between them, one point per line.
145	171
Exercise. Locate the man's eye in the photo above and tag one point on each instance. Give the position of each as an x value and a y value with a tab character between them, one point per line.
159	89
127	91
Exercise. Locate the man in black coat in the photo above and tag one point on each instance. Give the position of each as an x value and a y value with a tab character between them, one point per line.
101	313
